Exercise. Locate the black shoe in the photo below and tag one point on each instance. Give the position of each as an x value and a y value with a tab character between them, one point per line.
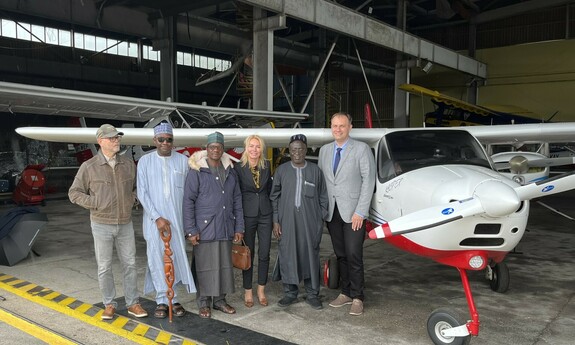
314	302
287	300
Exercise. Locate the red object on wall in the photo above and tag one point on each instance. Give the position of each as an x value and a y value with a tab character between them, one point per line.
30	187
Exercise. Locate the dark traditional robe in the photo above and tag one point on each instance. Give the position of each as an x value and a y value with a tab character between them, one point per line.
300	204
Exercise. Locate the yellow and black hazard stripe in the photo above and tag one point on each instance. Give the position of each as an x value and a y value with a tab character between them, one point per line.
120	325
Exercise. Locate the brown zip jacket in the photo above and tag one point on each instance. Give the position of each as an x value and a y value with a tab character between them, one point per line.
109	193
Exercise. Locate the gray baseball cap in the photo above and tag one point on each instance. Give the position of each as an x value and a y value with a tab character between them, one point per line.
107	131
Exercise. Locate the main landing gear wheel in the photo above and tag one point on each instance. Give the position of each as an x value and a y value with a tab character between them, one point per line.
442	319
498	276
331	273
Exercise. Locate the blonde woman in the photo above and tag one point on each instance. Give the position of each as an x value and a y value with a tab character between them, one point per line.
255	183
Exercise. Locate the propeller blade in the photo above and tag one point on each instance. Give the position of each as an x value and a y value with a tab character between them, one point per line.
492	198
550	162
550	186
501	165
428	218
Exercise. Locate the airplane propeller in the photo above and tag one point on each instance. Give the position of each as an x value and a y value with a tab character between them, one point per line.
492	198
520	164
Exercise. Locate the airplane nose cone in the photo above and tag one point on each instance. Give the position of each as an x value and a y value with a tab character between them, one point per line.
518	165
497	198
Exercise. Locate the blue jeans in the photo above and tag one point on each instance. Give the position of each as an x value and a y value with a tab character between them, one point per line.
122	235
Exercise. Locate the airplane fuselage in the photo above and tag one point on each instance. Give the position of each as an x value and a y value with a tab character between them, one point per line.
434	169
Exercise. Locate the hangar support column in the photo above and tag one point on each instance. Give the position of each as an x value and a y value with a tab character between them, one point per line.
402	76
168	63
263	57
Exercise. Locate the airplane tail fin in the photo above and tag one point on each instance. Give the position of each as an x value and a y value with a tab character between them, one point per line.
367	114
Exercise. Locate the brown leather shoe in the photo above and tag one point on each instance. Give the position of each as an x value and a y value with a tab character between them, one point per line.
108	313
137	310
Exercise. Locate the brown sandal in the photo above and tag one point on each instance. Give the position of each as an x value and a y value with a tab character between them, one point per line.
263	301
178	309
225	308
205	313
161	311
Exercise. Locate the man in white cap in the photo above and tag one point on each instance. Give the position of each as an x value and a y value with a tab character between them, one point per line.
105	185
161	178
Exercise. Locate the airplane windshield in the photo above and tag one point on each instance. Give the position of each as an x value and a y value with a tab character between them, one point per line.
410	150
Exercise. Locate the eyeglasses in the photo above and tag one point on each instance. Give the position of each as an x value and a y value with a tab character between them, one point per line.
162	139
116	138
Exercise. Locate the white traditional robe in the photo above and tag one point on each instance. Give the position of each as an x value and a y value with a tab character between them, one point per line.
161	191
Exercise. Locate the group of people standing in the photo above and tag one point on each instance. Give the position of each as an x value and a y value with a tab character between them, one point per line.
210	202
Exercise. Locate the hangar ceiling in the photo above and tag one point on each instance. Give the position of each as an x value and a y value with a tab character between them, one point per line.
224	27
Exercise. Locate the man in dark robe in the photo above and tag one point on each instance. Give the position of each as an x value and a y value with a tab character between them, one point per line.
300	204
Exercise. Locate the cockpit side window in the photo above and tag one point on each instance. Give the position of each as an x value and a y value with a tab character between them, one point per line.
386	167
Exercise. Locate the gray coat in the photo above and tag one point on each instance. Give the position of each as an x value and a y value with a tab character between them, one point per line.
353	184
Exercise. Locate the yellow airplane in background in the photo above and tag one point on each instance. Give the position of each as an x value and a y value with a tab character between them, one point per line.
453	112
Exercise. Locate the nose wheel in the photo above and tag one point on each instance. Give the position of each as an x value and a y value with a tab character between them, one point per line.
445	326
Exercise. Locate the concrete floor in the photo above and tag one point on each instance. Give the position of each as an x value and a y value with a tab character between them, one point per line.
401	289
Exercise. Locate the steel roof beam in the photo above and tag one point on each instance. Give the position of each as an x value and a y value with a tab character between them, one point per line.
343	20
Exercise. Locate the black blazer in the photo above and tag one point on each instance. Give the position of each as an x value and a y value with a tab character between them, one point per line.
255	199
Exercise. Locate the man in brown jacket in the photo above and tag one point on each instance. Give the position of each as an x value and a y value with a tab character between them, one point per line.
105	185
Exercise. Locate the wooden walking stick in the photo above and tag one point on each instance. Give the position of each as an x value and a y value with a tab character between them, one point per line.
166	236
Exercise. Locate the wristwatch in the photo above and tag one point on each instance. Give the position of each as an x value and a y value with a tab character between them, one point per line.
188	236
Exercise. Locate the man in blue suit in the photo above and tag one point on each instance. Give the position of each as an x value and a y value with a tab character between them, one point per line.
349	170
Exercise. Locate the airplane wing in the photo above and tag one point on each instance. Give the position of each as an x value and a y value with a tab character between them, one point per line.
22	98
279	137
439	97
197	137
512	134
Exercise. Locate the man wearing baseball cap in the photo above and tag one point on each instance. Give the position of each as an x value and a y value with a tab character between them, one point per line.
105	185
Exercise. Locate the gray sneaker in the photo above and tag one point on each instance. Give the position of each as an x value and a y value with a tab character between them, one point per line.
340	301
356	307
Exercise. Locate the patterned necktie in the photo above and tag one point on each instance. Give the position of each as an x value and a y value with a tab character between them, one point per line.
336	160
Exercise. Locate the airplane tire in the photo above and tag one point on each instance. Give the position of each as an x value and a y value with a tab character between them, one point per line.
331	273
441	319
500	277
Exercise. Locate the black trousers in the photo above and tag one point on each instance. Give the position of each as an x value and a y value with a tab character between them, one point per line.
348	248
262	227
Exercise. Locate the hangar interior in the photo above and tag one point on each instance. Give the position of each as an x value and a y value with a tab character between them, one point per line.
316	57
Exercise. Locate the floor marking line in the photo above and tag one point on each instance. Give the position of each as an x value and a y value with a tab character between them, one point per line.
70	312
33	330
69	306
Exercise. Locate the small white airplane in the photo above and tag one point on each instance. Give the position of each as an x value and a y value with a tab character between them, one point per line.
437	195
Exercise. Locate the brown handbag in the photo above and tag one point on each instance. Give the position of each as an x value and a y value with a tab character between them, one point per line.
241	256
